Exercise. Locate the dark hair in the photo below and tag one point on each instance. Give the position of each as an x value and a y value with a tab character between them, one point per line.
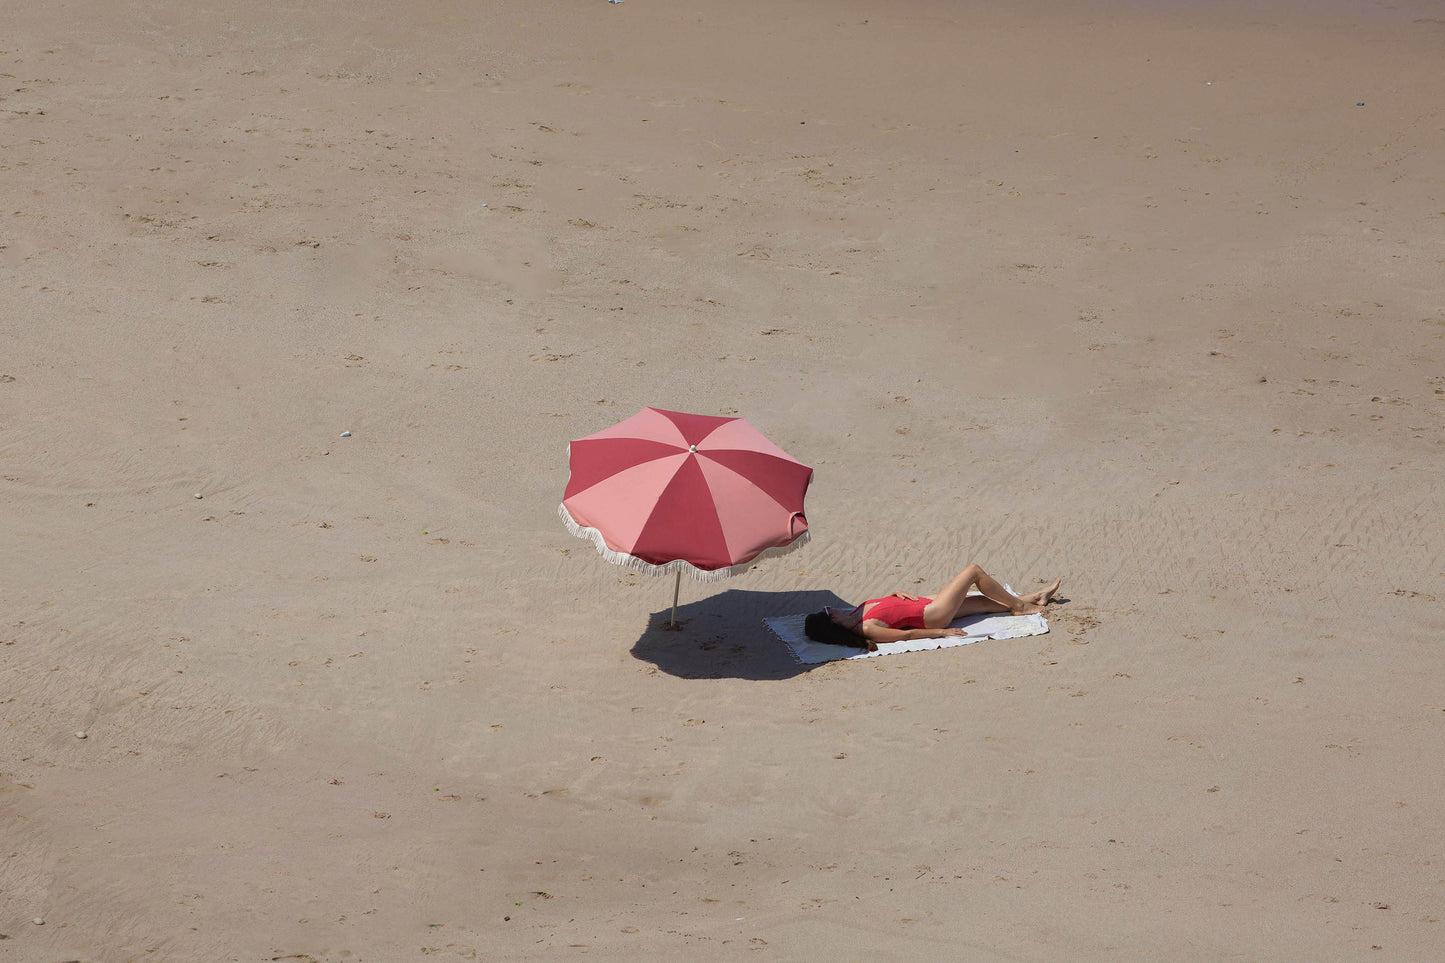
821	628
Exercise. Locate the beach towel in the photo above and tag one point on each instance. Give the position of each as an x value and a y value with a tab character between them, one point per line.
789	628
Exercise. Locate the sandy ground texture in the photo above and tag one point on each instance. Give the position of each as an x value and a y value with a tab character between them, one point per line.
1147	296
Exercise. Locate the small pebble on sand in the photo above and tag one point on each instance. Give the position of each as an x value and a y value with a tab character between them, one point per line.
80	735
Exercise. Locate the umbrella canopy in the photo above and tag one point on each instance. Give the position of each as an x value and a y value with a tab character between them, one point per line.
665	491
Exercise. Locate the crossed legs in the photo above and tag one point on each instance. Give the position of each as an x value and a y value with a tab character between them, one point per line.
954	600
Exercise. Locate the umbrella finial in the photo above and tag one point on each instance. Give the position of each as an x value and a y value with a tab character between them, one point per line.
692	448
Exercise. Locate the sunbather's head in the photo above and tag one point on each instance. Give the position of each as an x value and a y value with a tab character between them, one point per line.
820	627
846	617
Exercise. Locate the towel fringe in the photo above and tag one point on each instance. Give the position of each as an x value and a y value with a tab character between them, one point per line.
676	565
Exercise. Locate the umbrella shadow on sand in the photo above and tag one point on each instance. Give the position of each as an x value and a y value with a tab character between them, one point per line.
723	636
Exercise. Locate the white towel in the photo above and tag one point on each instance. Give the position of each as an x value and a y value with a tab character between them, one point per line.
789	628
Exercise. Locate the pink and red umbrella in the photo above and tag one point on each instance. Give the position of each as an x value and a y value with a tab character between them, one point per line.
665	491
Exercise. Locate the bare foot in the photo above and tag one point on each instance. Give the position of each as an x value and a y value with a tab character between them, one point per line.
1035	601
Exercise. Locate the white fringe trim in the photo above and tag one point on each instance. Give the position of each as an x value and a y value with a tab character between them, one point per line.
676	565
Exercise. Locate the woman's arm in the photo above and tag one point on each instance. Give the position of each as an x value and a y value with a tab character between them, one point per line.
875	631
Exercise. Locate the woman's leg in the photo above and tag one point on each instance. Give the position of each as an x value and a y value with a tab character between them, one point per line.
976	605
954	600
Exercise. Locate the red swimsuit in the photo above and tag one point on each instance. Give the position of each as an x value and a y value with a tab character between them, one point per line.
896	613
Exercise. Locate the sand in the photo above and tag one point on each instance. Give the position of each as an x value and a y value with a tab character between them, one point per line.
1144	295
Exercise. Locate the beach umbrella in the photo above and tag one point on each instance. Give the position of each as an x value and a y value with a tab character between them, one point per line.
664	491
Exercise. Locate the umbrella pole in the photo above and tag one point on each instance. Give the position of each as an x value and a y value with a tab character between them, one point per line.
676	587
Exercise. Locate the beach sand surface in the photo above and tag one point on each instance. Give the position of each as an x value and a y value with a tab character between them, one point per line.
1144	295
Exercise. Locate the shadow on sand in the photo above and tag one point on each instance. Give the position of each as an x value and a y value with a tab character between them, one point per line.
723	636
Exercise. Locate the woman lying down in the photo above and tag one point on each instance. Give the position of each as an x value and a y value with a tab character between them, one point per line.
902	617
